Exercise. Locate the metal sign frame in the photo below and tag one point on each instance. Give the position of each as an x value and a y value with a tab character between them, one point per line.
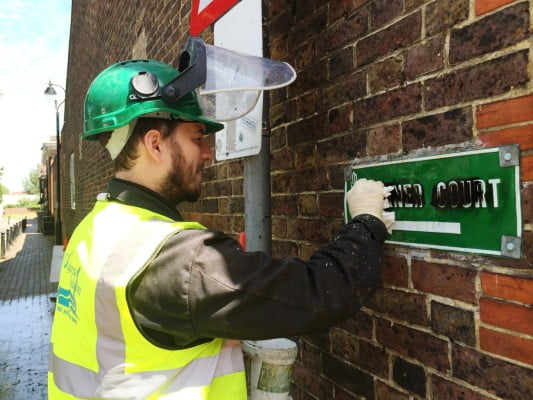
465	201
206	12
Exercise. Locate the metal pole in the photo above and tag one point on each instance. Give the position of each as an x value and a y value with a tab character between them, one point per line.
257	211
58	180
257	214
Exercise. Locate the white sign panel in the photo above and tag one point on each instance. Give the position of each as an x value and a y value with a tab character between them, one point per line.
241	30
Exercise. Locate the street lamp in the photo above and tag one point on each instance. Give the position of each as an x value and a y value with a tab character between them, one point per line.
50	91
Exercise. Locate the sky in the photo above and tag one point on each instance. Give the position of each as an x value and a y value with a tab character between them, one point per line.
34	37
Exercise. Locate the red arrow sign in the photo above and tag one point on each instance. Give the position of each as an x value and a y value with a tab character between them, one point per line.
206	12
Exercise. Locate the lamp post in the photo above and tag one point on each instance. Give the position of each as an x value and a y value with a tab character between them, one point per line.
50	91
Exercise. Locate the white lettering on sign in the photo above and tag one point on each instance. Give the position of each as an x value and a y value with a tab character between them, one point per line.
203	4
428	226
465	193
494	183
407	195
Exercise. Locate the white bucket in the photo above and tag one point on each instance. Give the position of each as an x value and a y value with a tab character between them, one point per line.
268	366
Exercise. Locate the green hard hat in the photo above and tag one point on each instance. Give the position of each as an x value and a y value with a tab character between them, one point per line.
113	99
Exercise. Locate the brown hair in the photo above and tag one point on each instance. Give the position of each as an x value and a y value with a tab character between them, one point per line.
127	156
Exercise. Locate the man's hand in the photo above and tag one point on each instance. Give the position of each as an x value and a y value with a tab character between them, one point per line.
368	197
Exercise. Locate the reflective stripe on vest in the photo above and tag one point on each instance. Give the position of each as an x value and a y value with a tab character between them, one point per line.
110	358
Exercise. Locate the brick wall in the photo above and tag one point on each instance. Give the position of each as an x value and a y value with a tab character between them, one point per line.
376	78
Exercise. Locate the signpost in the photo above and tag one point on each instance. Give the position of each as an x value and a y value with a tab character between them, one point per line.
241	30
206	12
467	201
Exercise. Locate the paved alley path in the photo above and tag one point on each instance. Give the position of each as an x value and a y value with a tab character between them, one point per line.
25	316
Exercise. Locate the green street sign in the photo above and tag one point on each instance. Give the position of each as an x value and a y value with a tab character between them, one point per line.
467	201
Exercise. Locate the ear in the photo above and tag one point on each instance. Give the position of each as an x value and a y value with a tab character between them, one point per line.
152	143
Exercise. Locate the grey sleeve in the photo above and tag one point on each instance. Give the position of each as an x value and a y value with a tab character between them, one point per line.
203	285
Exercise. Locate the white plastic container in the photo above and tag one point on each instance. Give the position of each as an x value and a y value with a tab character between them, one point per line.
268	366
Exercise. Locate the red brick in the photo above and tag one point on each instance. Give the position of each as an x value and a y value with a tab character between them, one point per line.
485	6
284	205
305	157
411	4
309	78
344	345
279	227
374	359
455	323
383	107
495	32
386	74
506	345
408	307
503	379
312	382
384	392
340	119
348	377
307	130
454	126
347	31
444	280
441	15
425	57
526	168
278	138
320	339
341	62
330	204
507	287
506	315
343	395
307	104
487	79
282	113
383	11
310	355
307	204
313	230
446	390
299	34
505	112
402	34
348	89
301	9
395	271
360	324
305	56
422	346
341	149
521	135
409	376
383	140
343	8
282	159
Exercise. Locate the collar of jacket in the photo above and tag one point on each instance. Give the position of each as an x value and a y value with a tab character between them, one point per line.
139	196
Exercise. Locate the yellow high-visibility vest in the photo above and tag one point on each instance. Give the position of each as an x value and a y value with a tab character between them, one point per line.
97	351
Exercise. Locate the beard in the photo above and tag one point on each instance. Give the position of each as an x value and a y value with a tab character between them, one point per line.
180	183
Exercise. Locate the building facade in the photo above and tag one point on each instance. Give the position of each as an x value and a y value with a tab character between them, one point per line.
378	80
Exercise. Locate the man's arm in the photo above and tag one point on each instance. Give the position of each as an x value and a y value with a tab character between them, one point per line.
203	285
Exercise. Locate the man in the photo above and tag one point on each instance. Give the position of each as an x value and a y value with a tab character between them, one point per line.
150	306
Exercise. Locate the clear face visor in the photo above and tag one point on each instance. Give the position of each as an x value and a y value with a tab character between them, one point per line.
227	83
234	82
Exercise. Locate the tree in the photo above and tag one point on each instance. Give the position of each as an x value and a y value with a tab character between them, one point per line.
3	188
31	182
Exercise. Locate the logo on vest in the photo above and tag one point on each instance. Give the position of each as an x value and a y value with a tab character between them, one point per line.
66	296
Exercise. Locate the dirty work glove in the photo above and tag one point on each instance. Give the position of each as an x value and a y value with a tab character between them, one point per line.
368	197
